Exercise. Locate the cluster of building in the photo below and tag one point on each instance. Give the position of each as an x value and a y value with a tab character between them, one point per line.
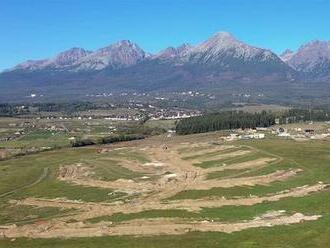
298	133
245	135
173	115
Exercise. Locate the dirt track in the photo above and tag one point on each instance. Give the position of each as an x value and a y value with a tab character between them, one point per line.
92	210
161	226
174	175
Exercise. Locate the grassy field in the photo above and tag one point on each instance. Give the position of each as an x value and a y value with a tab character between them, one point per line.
313	157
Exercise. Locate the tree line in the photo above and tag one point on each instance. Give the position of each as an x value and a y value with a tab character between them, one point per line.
79	142
239	119
303	115
224	121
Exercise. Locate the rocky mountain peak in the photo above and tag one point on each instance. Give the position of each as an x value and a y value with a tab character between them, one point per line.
173	52
316	44
63	59
70	56
184	48
220	40
312	57
223	36
121	54
287	55
224	46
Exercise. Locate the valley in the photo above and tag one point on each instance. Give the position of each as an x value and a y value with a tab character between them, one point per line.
163	187
164	124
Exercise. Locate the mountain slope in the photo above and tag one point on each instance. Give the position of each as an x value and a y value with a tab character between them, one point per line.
62	60
312	59
227	54
220	60
222	46
173	52
118	55
287	55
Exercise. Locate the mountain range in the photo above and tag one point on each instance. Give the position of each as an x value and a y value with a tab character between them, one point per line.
311	59
222	60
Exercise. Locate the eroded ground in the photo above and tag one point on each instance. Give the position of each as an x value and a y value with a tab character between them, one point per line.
153	175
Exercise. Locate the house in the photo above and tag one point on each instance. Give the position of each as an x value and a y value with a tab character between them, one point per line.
284	134
253	136
259	136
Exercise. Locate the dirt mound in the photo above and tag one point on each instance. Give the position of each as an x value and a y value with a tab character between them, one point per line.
75	171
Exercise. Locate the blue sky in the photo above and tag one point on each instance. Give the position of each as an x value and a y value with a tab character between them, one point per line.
34	29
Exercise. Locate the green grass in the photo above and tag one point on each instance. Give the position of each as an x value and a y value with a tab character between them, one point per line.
255	154
171	213
54	189
130	155
19	215
165	124
207	154
107	169
189	150
231	160
263	170
225	173
245	158
312	156
309	205
25	170
38	138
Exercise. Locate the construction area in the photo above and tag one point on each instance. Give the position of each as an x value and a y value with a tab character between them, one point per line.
162	175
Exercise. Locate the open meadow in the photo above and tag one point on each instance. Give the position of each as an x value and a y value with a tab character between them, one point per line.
169	191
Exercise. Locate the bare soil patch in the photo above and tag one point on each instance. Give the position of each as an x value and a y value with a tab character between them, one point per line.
170	175
146	227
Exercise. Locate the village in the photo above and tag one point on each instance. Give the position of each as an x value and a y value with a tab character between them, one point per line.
298	132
